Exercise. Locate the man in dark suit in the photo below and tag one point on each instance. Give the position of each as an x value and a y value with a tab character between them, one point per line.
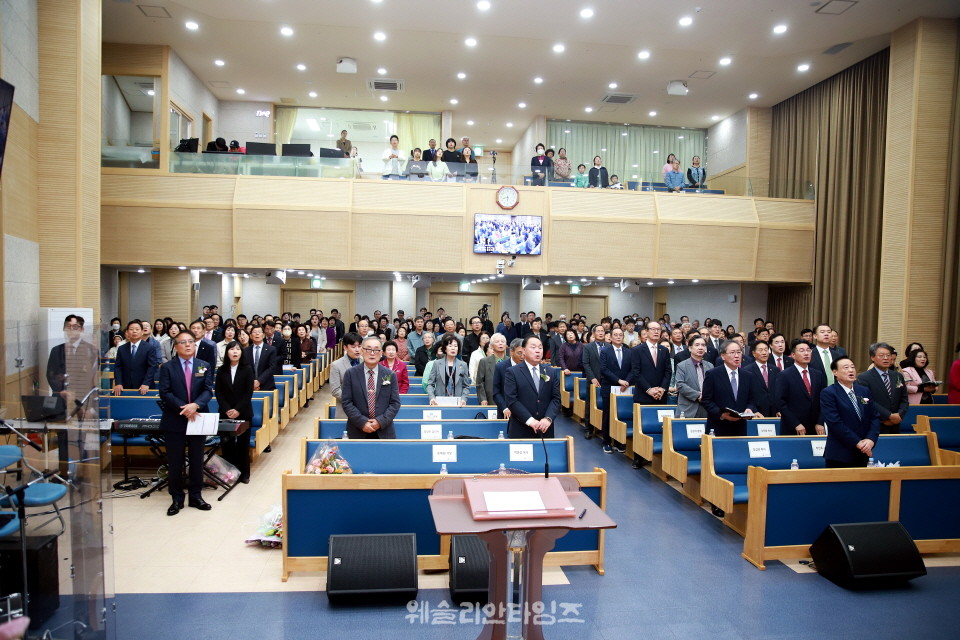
370	395
823	353
73	368
714	340
533	395
136	364
263	359
338	325
591	368
616	364
485	370
797	395
206	350
186	386
887	387
651	369
778	352
768	376
853	424
499	371
726	388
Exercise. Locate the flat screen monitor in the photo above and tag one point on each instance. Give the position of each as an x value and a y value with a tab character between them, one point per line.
6	106
504	234
300	150
330	153
261	149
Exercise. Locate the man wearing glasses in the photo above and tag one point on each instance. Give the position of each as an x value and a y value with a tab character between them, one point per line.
370	395
729	392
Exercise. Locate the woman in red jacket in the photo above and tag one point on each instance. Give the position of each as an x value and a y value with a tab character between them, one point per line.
395	364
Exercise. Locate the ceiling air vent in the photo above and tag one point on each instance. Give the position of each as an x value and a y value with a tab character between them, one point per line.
288	101
837	48
361	126
384	84
618	98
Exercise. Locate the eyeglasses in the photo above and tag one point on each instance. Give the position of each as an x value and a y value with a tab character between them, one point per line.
186	342
371	350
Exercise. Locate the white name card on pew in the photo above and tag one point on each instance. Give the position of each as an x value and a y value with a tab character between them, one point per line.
447	401
444	453
491	414
759	449
432	414
818	446
767	430
664	413
431	431
695	431
521	453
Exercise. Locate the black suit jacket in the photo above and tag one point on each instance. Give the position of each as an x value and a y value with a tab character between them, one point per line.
206	351
79	373
787	362
266	367
598	178
844	427
498	374
591	360
237	393
646	375
525	401
354	400
610	372
795	405
718	395
134	371
816	362
173	391
886	403
767	404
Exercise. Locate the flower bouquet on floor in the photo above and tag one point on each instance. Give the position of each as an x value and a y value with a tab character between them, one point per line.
225	471
327	459
270	531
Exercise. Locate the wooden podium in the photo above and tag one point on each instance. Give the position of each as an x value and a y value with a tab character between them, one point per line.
516	546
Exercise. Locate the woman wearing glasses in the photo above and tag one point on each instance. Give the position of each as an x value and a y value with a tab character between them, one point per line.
450	375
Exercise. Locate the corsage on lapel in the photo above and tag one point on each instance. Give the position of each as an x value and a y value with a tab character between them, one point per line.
385	382
864	401
201	371
545	377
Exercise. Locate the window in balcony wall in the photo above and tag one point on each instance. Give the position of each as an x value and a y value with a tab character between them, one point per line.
130	131
181	126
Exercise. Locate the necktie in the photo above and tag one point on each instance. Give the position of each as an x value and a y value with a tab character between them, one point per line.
256	359
856	406
699	366
534	371
763	370
780	363
806	383
825	356
886	382
619	358
653	354
133	350
733	382
187	373
371	395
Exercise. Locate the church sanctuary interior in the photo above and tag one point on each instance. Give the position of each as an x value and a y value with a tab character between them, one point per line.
702	261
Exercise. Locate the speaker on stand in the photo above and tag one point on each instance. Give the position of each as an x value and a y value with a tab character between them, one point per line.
867	555
469	570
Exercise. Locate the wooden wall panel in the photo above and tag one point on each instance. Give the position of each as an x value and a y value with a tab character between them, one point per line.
19	182
298	240
133	59
603	205
206	240
759	132
387	242
385	195
294	193
172	190
785	256
786	213
701	209
733	181
717	252
614	248
171	293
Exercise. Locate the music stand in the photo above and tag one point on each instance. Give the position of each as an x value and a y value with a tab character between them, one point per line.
517	547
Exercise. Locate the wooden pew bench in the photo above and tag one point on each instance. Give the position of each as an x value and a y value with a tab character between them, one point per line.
328	429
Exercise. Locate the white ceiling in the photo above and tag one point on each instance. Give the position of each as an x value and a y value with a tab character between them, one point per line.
424	47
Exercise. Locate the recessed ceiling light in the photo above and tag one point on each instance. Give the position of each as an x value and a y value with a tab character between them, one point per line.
652	113
301	67
679	137
193	26
599	277
219	273
586	13
694	281
669	281
644	54
558	48
286	31
522	105
509	124
569	281
241	91
141	270
725	61
612	85
454	101
312	94
469	123
461	75
483	5
499	275
604	149
382	71
538	80
181	268
780	28
624	133
376	1
566	130
650	283
714	118
151	92
685	21
379	36
384	98
803	67
470	42
753	96
499	140
589	109
583	279
219	63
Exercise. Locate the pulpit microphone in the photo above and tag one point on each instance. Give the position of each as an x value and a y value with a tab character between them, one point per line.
546	459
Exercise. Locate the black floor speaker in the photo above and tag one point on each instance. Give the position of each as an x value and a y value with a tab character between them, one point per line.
372	569
868	555
43	574
469	570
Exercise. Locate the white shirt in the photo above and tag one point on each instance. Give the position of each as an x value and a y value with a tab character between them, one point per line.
233	372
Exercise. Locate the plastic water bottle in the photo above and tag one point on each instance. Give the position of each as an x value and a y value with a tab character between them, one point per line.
345	436
681	415
712	432
871	463
443	469
500	437
503	467
794	465
450	435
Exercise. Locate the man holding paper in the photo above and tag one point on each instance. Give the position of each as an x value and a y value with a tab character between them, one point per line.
532	394
186	386
370	395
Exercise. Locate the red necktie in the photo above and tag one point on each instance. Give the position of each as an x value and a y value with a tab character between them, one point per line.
806	383
779	363
371	395
763	370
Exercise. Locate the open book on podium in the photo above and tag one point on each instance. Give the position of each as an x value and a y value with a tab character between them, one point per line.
517	497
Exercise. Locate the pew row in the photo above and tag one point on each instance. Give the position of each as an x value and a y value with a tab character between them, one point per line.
419	429
789	509
948	436
914	411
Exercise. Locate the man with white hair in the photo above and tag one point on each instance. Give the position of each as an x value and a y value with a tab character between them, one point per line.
485	372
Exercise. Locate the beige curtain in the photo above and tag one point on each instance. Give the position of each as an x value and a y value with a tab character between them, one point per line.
416	129
830	139
286	118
